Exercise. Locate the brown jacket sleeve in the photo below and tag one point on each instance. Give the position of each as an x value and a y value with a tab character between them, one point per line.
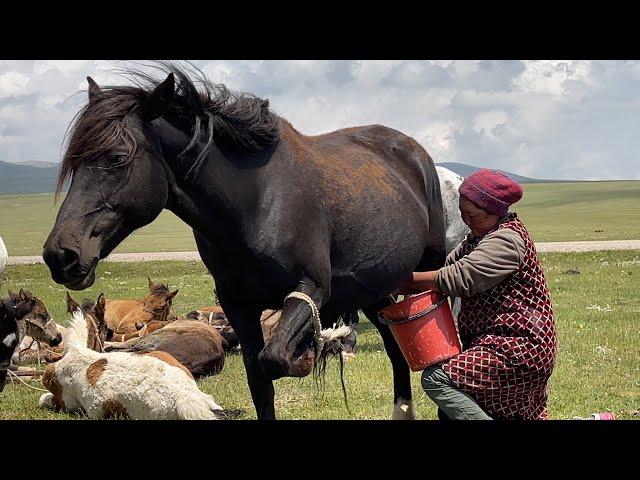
496	256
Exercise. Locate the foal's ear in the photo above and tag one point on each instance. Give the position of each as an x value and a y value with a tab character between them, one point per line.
24	295
172	294
72	305
159	99
13	297
94	90
100	306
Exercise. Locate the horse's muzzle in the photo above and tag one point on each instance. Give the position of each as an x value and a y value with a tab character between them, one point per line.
66	268
277	367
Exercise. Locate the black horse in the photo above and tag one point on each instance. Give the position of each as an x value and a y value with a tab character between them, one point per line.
341	217
10	313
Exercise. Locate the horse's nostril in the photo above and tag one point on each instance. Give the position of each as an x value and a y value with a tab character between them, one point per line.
69	257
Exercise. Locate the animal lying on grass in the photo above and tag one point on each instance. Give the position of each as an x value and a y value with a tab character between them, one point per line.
122	384
215	317
127	317
196	345
38	333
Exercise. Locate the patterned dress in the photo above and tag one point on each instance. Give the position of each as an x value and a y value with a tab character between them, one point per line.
508	336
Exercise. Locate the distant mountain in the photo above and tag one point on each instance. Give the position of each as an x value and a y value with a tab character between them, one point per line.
21	179
40	177
466	170
36	163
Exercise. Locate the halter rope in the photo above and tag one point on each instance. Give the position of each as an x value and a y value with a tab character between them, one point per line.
321	336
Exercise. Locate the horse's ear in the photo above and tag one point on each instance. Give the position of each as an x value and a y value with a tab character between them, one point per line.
100	306
172	294
24	295
72	305
94	90
159	99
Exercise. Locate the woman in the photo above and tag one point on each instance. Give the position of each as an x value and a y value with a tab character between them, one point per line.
506	322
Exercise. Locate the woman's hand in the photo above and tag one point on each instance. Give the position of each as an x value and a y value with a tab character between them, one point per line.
418	282
407	287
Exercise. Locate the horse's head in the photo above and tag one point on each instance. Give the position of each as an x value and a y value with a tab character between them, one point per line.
33	312
159	300
9	337
97	329
119	179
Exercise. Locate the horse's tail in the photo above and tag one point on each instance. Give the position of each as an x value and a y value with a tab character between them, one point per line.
75	337
203	407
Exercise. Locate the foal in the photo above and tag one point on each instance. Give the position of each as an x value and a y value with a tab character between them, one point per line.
121	384
127	317
36	325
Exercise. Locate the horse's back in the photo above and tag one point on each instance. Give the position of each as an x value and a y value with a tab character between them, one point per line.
116	311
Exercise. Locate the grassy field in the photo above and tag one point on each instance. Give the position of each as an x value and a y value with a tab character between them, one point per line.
598	366
552	212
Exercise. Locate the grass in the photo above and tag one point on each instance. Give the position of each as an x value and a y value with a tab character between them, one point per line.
558	212
598	366
552	212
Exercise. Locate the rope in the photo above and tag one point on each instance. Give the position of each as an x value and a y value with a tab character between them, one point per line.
96	332
321	335
30	386
315	318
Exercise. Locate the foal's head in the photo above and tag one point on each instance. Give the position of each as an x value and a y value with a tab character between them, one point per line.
97	329
158	302
38	324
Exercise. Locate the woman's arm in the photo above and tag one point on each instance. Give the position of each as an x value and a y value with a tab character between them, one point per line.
496	257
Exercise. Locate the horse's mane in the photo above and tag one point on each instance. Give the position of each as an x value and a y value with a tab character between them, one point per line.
158	289
241	120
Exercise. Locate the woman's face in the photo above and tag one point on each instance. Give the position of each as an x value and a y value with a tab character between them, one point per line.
478	220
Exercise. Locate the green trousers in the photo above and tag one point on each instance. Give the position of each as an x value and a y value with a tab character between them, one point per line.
456	404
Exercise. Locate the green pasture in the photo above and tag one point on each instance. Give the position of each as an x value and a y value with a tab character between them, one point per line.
552	212
596	302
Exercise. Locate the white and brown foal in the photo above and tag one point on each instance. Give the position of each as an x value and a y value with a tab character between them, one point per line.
122	384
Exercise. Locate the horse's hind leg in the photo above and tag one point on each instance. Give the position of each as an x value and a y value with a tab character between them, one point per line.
402	403
350	319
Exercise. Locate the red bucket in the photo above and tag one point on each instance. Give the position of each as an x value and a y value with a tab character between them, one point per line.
423	328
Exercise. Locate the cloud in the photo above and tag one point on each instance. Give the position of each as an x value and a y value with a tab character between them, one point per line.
546	119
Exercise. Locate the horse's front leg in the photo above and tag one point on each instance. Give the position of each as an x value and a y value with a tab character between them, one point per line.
245	321
291	350
402	398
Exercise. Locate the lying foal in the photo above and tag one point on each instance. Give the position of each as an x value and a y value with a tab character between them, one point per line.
127	317
35	327
122	384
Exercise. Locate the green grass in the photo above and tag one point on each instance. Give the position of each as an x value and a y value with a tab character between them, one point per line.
559	212
598	366
552	212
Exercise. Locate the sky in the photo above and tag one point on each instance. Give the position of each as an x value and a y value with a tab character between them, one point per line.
555	119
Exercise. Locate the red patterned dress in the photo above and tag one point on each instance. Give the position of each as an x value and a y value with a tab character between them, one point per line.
508	336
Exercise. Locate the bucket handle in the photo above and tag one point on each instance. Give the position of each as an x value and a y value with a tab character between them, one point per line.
384	321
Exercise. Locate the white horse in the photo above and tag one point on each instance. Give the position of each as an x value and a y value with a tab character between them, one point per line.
449	184
4	256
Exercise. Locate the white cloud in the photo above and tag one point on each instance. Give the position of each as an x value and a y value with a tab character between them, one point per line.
548	119
13	84
485	122
550	76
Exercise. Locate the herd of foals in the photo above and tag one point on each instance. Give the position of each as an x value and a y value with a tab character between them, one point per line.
122	358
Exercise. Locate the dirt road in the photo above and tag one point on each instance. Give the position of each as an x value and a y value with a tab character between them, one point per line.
542	247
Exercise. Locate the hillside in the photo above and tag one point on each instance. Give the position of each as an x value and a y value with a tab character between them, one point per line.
466	170
40	177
